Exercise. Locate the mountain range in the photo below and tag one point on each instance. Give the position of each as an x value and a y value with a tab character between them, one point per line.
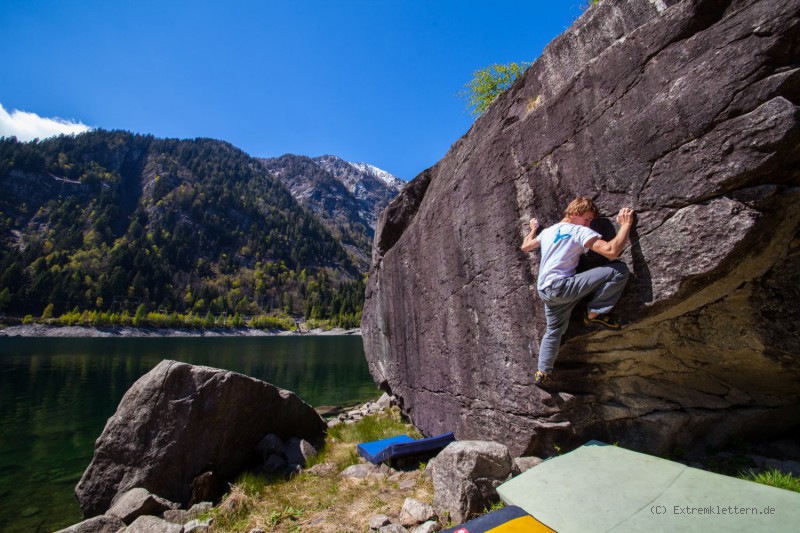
346	197
110	220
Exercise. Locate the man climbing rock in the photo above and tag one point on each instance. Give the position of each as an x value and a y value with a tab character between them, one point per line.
561	288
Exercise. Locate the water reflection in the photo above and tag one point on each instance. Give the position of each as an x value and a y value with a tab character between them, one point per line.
56	395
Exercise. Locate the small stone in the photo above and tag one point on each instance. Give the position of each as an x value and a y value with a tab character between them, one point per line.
361	472
98	524
298	451
292	470
137	502
321	469
200	508
393	528
205	487
152	524
378	521
384	402
428	527
275	463
407	484
784	467
177	516
415	512
269	445
197	525
526	463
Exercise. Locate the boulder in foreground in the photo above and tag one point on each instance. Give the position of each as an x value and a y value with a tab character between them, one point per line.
180	421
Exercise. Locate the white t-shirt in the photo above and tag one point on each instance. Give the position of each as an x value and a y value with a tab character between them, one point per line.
562	245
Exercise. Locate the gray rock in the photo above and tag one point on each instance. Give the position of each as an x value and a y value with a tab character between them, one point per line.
299	451
270	445
98	524
523	464
384	402
275	463
783	449
197	525
152	524
784	467
378	521
176	516
200	508
321	469
415	512
428	527
687	112
180	516
179	421
466	476
393	528
361	472
206	486
292	469
138	502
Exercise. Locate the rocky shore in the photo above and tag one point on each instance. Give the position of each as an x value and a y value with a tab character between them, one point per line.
42	330
456	485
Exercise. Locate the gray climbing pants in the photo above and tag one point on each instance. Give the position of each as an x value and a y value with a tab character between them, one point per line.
604	283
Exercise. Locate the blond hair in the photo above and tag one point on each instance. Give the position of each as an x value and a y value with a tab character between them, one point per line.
581	205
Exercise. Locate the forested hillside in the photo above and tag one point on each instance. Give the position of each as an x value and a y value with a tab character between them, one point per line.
115	222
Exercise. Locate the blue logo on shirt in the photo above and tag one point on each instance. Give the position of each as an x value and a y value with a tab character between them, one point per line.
561	236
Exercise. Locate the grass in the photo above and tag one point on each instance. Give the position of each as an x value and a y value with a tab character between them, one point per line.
321	501
773	478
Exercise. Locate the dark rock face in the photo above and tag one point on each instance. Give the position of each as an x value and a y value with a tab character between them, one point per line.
180	421
686	111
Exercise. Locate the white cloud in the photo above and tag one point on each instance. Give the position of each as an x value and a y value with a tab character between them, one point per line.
28	126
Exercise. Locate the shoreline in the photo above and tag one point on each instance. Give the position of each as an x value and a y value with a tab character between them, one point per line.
43	330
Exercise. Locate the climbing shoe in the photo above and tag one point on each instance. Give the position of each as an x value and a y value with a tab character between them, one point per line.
601	321
540	378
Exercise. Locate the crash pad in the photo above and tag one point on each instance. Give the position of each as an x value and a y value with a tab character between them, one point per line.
510	519
599	487
382	450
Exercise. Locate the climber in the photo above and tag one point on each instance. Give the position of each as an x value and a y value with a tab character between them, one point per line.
561	288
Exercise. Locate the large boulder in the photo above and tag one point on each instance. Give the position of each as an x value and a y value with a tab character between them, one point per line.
466	475
179	421
687	112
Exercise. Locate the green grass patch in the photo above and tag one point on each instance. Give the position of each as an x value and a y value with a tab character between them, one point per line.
374	427
321	501
773	478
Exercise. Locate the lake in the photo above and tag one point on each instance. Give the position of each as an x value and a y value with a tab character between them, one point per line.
57	393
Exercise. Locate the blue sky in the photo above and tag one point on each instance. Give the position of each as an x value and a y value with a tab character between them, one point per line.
366	80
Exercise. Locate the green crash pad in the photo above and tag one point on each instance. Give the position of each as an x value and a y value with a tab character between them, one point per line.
599	487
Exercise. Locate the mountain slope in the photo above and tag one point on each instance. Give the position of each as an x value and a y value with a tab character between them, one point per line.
110	220
346	197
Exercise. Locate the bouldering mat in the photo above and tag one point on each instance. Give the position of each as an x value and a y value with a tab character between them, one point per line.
599	487
511	519
379	451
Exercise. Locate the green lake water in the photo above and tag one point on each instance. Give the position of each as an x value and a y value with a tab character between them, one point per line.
56	395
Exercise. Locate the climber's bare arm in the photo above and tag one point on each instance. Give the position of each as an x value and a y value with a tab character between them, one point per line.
530	242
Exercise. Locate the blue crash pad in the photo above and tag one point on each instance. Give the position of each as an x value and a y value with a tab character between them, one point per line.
379	451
